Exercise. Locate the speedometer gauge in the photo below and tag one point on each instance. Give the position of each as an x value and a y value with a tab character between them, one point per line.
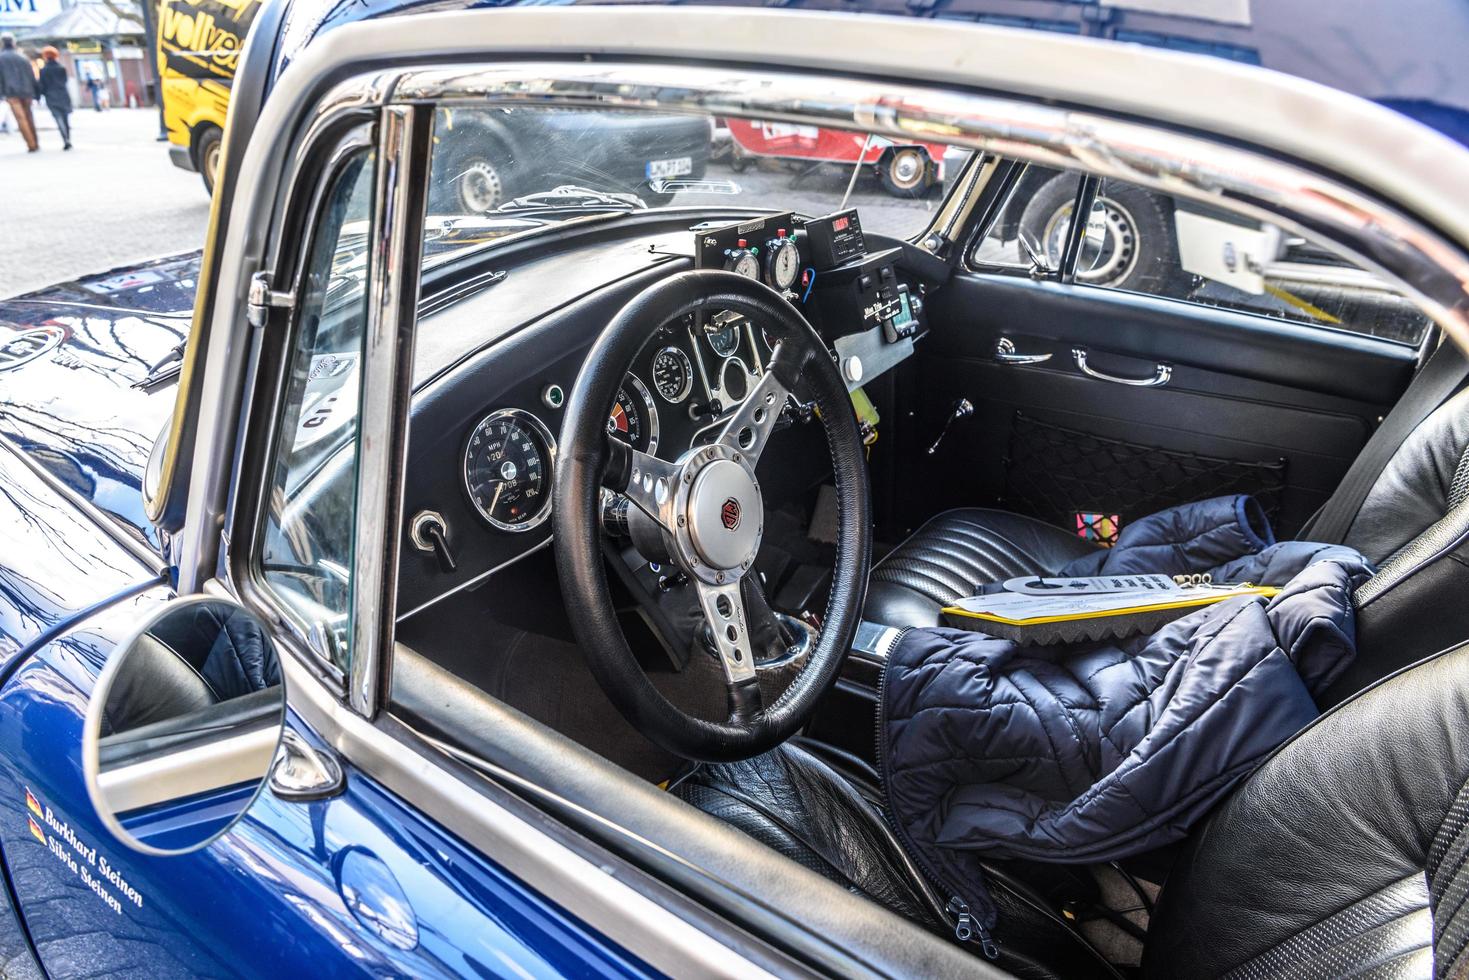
507	469
673	374
633	418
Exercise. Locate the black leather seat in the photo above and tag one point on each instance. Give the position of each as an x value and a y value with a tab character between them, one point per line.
793	802
1413	521
955	553
1345	854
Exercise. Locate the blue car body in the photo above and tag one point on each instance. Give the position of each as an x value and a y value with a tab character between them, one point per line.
351	884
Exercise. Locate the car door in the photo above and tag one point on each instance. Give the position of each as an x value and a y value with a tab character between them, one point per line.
1154	354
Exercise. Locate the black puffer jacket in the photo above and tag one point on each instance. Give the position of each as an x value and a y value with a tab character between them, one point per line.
51	86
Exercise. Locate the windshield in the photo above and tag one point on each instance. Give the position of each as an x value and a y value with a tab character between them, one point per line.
502	171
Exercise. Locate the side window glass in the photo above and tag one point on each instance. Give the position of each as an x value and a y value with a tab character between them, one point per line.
1148	242
310	515
1030	231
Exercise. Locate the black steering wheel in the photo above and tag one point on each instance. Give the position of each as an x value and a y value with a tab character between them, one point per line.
705	513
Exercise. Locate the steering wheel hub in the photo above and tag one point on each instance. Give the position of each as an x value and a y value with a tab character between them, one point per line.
724	514
718	513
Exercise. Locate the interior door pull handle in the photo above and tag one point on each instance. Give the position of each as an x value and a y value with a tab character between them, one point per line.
1162	374
1006	353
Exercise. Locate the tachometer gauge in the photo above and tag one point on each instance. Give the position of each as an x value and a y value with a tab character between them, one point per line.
634	419
782	262
742	261
673	374
507	469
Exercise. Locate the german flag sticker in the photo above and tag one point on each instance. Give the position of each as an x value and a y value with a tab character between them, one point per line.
32	804
36	830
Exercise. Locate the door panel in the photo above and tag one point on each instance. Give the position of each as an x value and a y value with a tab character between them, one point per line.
1298	401
358	884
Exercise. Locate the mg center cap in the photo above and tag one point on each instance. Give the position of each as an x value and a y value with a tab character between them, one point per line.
725	515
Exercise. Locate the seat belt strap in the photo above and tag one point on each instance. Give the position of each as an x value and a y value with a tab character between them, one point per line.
1445	372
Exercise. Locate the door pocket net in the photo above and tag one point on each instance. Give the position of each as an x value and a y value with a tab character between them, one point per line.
1096	484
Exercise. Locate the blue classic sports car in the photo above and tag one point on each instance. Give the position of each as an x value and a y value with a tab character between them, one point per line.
419	585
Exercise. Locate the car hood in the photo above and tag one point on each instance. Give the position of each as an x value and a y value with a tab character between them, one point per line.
71	360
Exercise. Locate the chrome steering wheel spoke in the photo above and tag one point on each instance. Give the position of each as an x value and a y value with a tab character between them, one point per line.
749	428
724	608
648	482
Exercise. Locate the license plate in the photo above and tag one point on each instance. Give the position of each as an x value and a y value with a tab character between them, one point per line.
676	167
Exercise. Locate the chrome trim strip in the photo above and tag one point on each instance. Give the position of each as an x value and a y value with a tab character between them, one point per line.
1365	230
383	421
1370	144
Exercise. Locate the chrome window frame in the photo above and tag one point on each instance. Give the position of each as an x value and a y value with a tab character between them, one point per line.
333	147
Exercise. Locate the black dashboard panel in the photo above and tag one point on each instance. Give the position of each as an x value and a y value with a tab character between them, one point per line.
518	344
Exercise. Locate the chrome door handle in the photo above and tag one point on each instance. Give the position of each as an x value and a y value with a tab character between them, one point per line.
1006	353
1161	376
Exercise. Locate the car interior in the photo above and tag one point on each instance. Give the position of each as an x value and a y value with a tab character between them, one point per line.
587	370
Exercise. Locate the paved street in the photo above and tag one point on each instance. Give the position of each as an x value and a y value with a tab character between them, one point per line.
113	199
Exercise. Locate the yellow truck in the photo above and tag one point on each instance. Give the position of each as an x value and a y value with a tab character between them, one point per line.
199	44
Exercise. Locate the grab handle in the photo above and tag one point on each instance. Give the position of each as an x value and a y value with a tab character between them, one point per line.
1163	373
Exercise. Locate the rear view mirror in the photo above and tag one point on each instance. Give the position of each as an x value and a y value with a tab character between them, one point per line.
183	726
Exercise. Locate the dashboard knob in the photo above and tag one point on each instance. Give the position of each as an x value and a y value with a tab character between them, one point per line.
852	369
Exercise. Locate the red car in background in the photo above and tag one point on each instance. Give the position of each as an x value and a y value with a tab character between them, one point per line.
905	169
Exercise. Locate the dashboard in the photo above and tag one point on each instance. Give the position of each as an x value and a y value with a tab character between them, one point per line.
494	368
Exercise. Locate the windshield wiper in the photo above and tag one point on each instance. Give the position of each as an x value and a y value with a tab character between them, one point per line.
573	197
168	368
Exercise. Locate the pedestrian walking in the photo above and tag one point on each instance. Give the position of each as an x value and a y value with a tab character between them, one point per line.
94	86
51	86
18	89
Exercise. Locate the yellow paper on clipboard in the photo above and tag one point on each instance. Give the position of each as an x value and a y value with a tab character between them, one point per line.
1078	618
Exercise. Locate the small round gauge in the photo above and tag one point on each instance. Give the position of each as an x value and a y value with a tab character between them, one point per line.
633	418
724	335
673	374
782	263
741	261
507	469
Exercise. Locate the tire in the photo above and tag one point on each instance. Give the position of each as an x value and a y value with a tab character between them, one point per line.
906	171
1140	250
472	179
208	147
738	162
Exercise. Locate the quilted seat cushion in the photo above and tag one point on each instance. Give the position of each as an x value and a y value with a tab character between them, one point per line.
954	553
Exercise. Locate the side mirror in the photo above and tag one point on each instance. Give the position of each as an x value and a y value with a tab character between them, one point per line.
183	727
